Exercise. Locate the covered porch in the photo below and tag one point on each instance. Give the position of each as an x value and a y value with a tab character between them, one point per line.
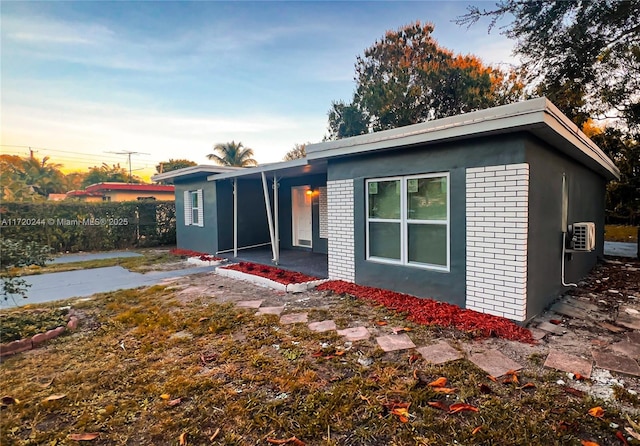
275	214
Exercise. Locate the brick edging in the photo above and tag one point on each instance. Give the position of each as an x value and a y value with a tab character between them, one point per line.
25	344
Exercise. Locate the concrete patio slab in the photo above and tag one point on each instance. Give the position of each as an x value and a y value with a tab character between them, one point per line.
440	353
249	303
629	321
568	363
626	348
322	326
355	333
616	363
269	310
493	362
392	343
610	327
537	333
569	310
294	318
621	249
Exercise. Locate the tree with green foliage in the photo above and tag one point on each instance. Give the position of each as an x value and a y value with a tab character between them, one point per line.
298	151
108	174
30	178
17	254
232	154
168	166
406	78
583	55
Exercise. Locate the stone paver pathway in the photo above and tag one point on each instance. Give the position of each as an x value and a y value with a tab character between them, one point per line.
322	326
249	303
269	310
391	343
355	333
493	362
293	318
568	363
616	363
440	353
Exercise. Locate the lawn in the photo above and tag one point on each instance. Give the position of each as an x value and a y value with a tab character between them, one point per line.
151	367
621	233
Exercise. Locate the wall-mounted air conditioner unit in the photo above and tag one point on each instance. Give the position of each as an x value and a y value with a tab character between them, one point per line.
583	236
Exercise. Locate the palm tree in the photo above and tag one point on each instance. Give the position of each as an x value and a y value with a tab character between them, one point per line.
232	154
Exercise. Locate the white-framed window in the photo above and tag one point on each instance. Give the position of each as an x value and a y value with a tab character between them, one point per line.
193	208
408	220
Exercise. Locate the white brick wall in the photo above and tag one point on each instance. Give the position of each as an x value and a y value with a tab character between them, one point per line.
497	227
340	227
324	215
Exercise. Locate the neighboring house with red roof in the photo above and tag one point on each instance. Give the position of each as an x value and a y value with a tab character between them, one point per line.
123	192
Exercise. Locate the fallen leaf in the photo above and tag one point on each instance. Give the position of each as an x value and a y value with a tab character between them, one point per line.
202	319
574	392
527	386
381	323
165	396
54	397
485	389
492	378
578	377
413	358
476	430
174	402
183	439
588	443
459	407
439	405
402	413
633	424
9	400
292	440
597	412
620	436
47	384
440	382
555	321
445	390
633	433
84	437
215	434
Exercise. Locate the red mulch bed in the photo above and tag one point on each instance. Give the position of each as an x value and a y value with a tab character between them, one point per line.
276	274
189	253
431	312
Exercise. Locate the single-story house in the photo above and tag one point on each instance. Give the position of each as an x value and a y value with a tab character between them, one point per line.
123	192
496	210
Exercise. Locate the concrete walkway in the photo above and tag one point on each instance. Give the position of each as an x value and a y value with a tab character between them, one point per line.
81	283
85	257
620	249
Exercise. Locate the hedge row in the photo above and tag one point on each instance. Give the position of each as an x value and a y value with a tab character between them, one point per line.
79	226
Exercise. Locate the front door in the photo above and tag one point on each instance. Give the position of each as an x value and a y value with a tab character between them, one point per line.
301	212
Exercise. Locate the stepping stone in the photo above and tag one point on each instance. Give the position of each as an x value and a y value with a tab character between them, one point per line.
569	310
568	363
391	343
551	328
586	306
269	310
537	333
494	363
322	326
440	353
629	321
615	363
626	348
249	303
355	333
293	318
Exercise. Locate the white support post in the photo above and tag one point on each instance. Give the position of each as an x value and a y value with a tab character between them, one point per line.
267	203
276	257
235	217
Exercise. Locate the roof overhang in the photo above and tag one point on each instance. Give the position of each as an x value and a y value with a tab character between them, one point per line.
286	169
193	172
536	116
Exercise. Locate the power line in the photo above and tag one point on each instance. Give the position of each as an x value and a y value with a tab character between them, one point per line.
129	153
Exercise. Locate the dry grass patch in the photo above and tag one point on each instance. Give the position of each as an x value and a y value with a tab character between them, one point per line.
621	233
146	369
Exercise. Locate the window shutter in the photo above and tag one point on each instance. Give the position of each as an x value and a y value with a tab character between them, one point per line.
187	208
200	208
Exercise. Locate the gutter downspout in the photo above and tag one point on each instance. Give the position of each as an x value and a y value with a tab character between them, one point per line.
565	222
235	217
276	257
267	203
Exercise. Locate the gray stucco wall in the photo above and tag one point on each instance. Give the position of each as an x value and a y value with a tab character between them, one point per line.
586	203
453	158
196	238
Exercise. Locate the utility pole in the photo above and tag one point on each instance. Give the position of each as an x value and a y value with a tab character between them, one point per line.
129	153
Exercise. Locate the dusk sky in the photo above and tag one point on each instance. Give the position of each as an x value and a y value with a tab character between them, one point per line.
81	79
